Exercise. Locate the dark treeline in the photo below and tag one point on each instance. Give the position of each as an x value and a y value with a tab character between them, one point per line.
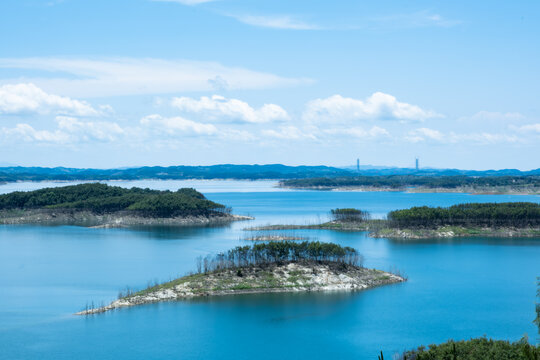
513	214
349	215
102	198
402	181
226	171
278	252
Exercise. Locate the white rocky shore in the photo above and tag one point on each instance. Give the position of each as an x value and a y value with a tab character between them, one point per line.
108	220
284	277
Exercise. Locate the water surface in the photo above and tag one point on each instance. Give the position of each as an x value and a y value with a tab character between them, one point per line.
457	288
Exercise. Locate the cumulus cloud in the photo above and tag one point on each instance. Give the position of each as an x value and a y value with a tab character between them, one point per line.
288	133
69	130
30	99
275	21
129	76
177	126
379	106
219	108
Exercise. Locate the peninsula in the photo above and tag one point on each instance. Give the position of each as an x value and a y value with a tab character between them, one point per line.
264	268
101	205
529	184
513	219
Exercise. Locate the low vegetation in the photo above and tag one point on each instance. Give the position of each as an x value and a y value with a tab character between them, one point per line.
102	199
475	349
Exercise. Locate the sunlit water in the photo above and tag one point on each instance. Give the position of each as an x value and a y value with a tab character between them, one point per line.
457	288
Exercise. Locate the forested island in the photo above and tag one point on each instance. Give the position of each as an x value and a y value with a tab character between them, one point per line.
512	219
96	204
529	184
263	268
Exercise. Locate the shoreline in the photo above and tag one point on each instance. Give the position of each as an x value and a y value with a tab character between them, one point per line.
108	220
376	229
416	190
290	276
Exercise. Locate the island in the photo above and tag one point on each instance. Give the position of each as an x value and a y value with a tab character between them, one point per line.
511	219
517	185
101	205
271	267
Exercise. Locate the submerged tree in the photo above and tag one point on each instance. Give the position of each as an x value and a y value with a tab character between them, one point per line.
279	252
349	215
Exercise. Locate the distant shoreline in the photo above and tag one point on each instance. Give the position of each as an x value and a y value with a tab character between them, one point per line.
420	189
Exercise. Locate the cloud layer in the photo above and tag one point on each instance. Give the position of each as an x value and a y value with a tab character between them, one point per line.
130	76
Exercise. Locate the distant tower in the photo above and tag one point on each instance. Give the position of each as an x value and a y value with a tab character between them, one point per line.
417	166
358	165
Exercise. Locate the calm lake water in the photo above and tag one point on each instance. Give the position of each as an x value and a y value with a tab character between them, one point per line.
457	288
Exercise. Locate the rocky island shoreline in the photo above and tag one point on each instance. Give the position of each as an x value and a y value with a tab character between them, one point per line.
104	206
272	278
264	268
509	220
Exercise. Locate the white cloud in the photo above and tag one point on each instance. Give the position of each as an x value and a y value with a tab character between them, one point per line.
89	130
426	134
419	19
379	106
493	117
423	134
186	2
358	132
69	130
219	108
177	126
288	133
275	21
129	76
29	99
528	129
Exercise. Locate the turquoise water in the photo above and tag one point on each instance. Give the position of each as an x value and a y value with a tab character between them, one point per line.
456	289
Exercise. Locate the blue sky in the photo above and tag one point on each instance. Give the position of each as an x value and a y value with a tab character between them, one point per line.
141	82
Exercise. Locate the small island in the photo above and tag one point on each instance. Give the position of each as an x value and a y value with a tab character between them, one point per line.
101	205
515	185
512	219
264	268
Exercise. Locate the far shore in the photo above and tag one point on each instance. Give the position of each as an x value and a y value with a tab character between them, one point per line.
421	189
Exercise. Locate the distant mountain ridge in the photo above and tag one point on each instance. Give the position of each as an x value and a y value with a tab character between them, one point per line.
229	171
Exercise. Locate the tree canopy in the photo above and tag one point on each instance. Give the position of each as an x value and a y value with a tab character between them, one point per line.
272	252
510	214
101	198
